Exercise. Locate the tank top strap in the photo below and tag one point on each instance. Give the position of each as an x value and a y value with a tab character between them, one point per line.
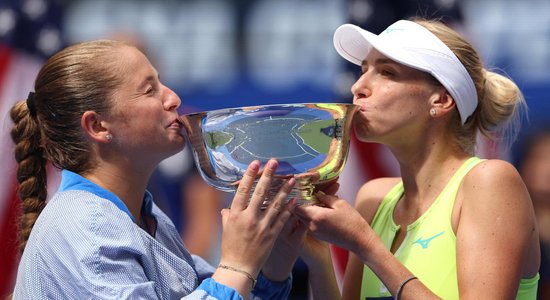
387	205
456	179
451	189
449	192
463	170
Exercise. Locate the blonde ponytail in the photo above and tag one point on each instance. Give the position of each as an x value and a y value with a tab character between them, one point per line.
502	106
500	101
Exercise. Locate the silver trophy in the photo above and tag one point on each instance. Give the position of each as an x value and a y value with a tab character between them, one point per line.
310	142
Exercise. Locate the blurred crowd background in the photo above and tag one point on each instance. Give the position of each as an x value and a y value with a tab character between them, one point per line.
222	53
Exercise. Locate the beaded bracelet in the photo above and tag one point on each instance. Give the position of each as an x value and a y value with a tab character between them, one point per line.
400	288
222	266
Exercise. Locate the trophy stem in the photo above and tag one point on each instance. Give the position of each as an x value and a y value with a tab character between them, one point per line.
302	190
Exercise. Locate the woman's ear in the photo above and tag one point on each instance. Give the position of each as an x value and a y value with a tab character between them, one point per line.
94	127
441	103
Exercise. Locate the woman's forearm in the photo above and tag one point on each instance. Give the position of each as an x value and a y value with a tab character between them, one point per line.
323	283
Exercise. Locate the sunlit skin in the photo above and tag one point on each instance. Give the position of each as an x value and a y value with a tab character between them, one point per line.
144	127
145	110
392	97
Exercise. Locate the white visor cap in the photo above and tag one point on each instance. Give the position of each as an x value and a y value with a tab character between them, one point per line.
413	45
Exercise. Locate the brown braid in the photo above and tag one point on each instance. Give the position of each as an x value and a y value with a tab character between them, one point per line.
31	172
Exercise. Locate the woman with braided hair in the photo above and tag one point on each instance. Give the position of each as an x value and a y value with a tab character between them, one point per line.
100	113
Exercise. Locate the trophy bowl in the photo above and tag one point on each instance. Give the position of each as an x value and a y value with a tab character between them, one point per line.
309	140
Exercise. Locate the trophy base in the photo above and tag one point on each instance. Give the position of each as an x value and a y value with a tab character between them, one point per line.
303	190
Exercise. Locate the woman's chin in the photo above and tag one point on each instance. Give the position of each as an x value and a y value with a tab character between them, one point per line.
175	147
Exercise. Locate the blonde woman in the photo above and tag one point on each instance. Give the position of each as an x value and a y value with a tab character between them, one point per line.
453	225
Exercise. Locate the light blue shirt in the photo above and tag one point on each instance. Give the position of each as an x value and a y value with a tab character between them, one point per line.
86	245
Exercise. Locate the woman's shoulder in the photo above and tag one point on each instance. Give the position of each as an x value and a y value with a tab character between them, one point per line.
84	212
492	167
492	174
84	226
496	209
494	185
79	223
371	194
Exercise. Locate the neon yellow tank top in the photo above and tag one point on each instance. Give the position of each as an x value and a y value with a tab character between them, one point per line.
429	248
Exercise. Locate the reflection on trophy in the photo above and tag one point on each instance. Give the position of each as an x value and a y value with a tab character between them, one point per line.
310	141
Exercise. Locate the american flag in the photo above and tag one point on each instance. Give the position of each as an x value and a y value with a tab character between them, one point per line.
29	32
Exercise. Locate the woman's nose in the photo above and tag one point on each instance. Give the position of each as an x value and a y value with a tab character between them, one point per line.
172	100
360	88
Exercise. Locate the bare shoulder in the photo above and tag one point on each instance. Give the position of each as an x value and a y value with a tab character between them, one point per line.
493	176
497	213
372	193
493	169
495	186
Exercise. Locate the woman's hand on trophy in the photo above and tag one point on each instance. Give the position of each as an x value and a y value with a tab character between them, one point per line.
250	228
335	221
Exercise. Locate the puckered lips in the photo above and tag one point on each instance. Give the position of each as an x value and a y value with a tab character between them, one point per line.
176	123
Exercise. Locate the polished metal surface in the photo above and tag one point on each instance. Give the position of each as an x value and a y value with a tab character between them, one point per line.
309	140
